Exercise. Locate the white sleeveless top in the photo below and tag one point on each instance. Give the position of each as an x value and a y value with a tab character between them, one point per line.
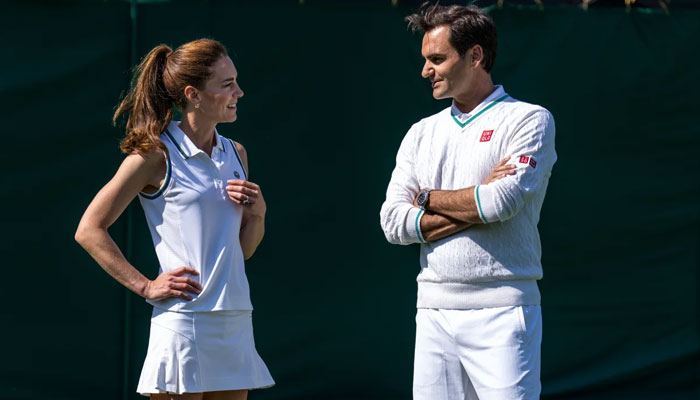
194	223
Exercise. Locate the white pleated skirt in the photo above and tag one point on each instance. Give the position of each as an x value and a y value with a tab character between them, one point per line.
197	352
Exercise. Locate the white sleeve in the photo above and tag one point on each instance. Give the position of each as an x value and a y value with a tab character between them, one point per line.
532	151
400	220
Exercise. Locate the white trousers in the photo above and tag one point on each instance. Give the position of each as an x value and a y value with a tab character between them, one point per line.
480	354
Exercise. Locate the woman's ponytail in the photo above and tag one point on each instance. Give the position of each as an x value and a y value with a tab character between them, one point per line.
148	103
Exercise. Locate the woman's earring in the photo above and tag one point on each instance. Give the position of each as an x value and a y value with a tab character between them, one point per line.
196	105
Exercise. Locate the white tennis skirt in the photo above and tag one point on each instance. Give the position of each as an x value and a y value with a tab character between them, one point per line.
194	352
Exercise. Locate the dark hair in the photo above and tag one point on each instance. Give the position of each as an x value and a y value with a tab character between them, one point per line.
159	84
468	26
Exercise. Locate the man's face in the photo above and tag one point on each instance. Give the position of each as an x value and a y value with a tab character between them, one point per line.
449	74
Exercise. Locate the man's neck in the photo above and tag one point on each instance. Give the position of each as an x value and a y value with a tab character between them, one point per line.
468	101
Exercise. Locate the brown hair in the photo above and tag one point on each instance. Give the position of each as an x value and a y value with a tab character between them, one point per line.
159	84
468	26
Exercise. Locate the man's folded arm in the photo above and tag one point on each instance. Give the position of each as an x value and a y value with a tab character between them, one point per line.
436	226
399	218
532	149
533	153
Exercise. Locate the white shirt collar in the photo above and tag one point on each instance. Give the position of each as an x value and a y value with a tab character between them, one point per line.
462	117
185	144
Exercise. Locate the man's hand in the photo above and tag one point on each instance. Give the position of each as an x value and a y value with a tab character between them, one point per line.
451	211
501	170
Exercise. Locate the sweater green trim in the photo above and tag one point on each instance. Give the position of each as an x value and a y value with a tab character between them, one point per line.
420	236
483	110
478	204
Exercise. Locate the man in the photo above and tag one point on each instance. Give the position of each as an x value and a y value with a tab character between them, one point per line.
478	324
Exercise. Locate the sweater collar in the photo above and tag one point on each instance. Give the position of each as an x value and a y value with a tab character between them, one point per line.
463	117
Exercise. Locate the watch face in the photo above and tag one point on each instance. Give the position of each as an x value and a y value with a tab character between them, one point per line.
421	198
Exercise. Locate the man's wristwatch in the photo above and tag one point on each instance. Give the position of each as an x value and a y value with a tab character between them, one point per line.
423	198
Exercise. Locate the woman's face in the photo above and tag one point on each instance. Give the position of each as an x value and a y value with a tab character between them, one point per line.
219	99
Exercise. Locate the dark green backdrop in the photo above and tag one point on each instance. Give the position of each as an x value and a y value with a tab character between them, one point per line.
330	90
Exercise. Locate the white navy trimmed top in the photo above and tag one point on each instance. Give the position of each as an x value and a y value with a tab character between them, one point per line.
491	265
194	223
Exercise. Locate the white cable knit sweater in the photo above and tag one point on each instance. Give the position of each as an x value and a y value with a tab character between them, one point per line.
491	265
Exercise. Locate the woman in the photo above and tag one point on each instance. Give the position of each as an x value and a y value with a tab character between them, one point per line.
205	218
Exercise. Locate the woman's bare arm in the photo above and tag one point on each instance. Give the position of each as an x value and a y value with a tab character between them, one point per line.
135	173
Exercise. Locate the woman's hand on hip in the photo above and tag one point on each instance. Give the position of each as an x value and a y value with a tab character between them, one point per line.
173	284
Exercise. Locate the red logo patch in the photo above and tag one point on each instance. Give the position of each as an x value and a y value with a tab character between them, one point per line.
528	160
486	136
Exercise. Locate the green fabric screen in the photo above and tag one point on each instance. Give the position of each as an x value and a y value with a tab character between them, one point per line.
330	90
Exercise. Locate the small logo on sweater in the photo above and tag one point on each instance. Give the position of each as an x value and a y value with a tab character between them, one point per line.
486	135
528	160
236	174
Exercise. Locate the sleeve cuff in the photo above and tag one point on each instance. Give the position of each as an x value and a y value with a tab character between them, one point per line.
485	203
413	224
